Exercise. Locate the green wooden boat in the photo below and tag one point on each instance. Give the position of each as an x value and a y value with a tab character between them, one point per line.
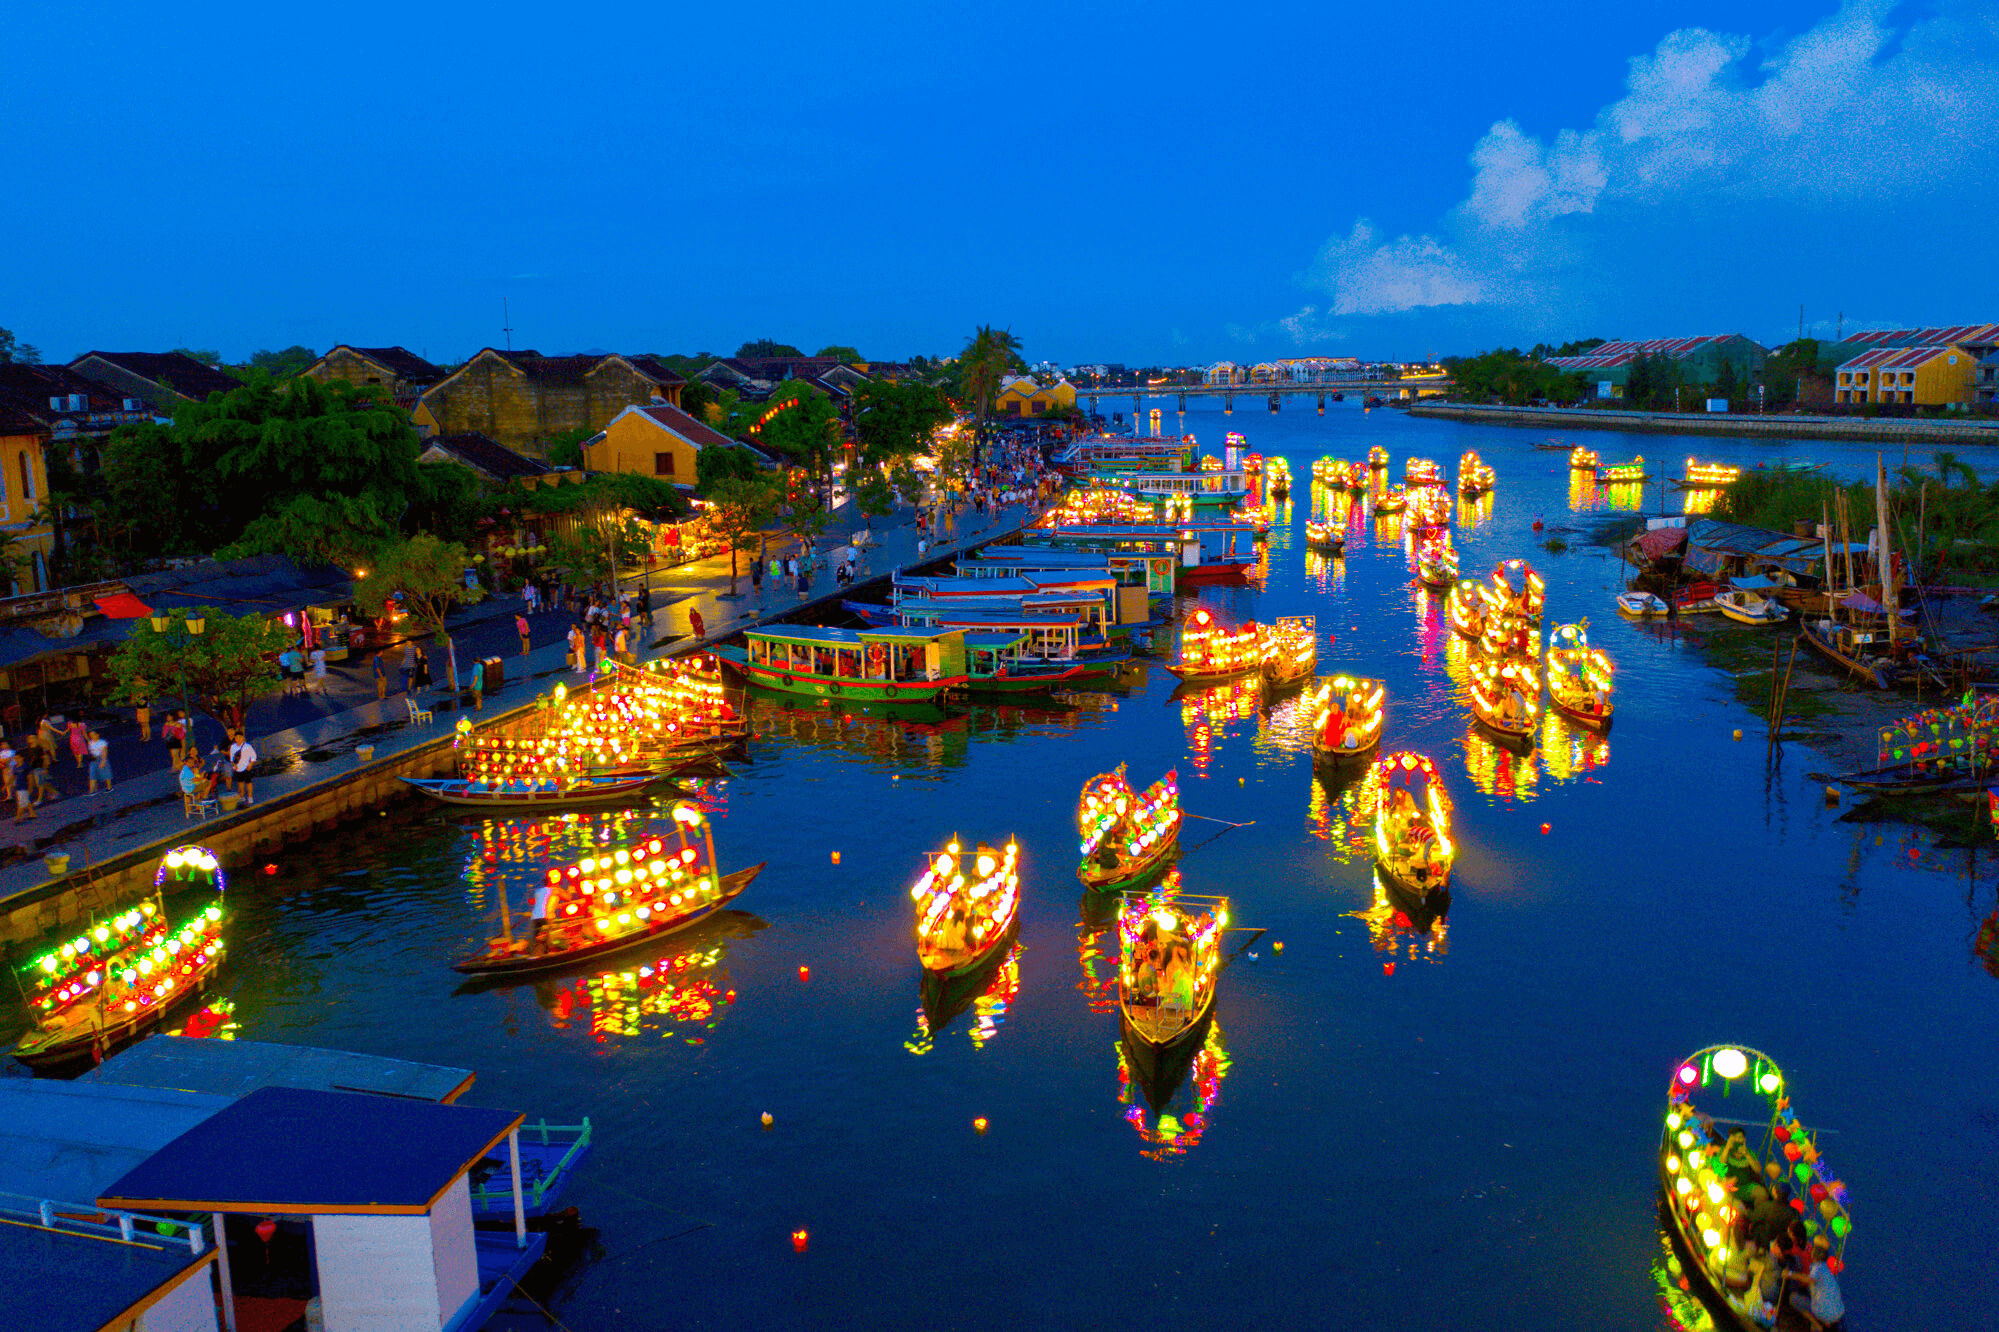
885	665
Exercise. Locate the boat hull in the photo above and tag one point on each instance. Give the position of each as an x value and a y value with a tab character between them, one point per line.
1211	573
1859	670
842	687
82	1046
1129	874
1595	721
1185	676
1519	739
1146	1032
948	963
1422	890
525	964
461	793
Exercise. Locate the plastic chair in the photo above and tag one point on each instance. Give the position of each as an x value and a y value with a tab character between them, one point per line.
206	807
419	716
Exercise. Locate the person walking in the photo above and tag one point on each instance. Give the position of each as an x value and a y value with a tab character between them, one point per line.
521	628
143	714
700	628
19	785
174	731
79	742
757	579
423	678
319	667
381	677
243	758
100	763
478	684
601	640
410	655
621	646
578	648
38	775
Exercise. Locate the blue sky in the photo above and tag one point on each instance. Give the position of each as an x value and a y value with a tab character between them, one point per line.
1115	182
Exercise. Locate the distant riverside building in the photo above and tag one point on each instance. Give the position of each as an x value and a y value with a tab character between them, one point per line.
1921	376
1980	339
1986	387
1022	396
401	374
755	376
1699	360
657	440
521	399
482	457
158	379
1226	372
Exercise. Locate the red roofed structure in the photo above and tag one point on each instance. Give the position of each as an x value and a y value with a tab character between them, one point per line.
1699	360
1926	376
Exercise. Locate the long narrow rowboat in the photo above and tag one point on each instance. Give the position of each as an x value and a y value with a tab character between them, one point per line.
1169	959
533	794
966	910
1412	824
1126	835
1579	676
1346	716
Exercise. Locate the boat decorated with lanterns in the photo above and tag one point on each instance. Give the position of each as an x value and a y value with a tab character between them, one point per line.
1290	649
1412	824
1346	716
1429	506
122	975
1422	472
880	664
1277	477
1169	960
966	907
1466	609
517	793
1436	561
1518	590
1475	475
1377	459
618	897
1211	650
1707	476
1506	698
1623	473
1392	500
1507	635
1731	1186
1327	538
1126	835
1583	460
1579	676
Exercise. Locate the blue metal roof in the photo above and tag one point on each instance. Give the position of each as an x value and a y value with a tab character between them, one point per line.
59	1282
71	1140
288	1150
237	1068
829	637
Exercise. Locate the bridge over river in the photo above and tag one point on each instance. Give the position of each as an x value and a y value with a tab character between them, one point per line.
1272	394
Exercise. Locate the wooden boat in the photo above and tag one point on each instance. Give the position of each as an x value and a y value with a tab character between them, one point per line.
1507	636
123	975
1506	699
618	898
1412	824
1707	476
1211	651
1555	446
1127	835
1277	477
1528	599
1377	458
1393	500
1291	649
1346	716
1624	473
1437	562
1467	608
1475	477
1724	1188
535	793
1582	459
1908	778
1326	538
1641	605
1422	472
1579	676
1429	506
1169	960
887	665
1746	607
1859	652
961	920
994	665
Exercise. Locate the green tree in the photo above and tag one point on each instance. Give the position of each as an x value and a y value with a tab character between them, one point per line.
990	353
804	429
695	395
766	347
850	355
806	517
715	464
425	577
231	661
14	350
345	530
206	355
1727	383
1641	382
281	364
897	420
740	508
1792	371
911	485
565	448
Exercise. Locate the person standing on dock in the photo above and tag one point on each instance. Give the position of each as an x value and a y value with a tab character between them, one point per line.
757	579
577	647
100	763
521	628
381	678
478	684
242	758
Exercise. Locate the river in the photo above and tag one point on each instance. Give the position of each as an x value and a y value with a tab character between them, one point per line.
1387	1128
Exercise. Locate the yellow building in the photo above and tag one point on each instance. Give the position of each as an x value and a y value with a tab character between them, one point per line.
24	483
1923	376
1021	396
658	440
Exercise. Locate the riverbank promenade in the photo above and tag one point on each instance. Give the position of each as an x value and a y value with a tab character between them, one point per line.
306	740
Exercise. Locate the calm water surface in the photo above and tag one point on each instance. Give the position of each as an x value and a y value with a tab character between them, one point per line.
1388	1128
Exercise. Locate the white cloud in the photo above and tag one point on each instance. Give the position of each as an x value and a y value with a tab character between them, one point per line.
1842	112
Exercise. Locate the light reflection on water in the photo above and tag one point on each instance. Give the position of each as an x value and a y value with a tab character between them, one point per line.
1496	1108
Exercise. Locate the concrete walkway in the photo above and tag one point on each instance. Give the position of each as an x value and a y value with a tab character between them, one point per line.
307	739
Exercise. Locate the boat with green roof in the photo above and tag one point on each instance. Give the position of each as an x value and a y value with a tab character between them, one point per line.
879	664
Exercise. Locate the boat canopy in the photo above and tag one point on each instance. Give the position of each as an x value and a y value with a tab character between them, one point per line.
1752	582
822	636
1714	543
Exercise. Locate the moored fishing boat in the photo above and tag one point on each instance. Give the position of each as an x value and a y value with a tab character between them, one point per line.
1326	538
1126	835
615	899
1728	1200
1377	458
1506	698
1346	714
1393	500
883	664
1412	824
1436	561
1579	676
1861	653
535	792
1582	459
1467	608
1169	959
1703	476
1209	650
1746	606
1641	605
995	665
122	975
1290	649
961	918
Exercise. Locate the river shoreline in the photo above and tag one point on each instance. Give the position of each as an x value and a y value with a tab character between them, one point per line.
1869	429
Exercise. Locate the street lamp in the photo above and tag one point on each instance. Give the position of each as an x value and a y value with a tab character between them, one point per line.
194	624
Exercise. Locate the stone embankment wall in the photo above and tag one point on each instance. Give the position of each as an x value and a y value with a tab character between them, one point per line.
1878	429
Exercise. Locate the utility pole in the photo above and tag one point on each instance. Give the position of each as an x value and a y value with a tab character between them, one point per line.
507	322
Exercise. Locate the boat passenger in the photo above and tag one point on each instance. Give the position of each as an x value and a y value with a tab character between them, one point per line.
538	921
1819	1298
